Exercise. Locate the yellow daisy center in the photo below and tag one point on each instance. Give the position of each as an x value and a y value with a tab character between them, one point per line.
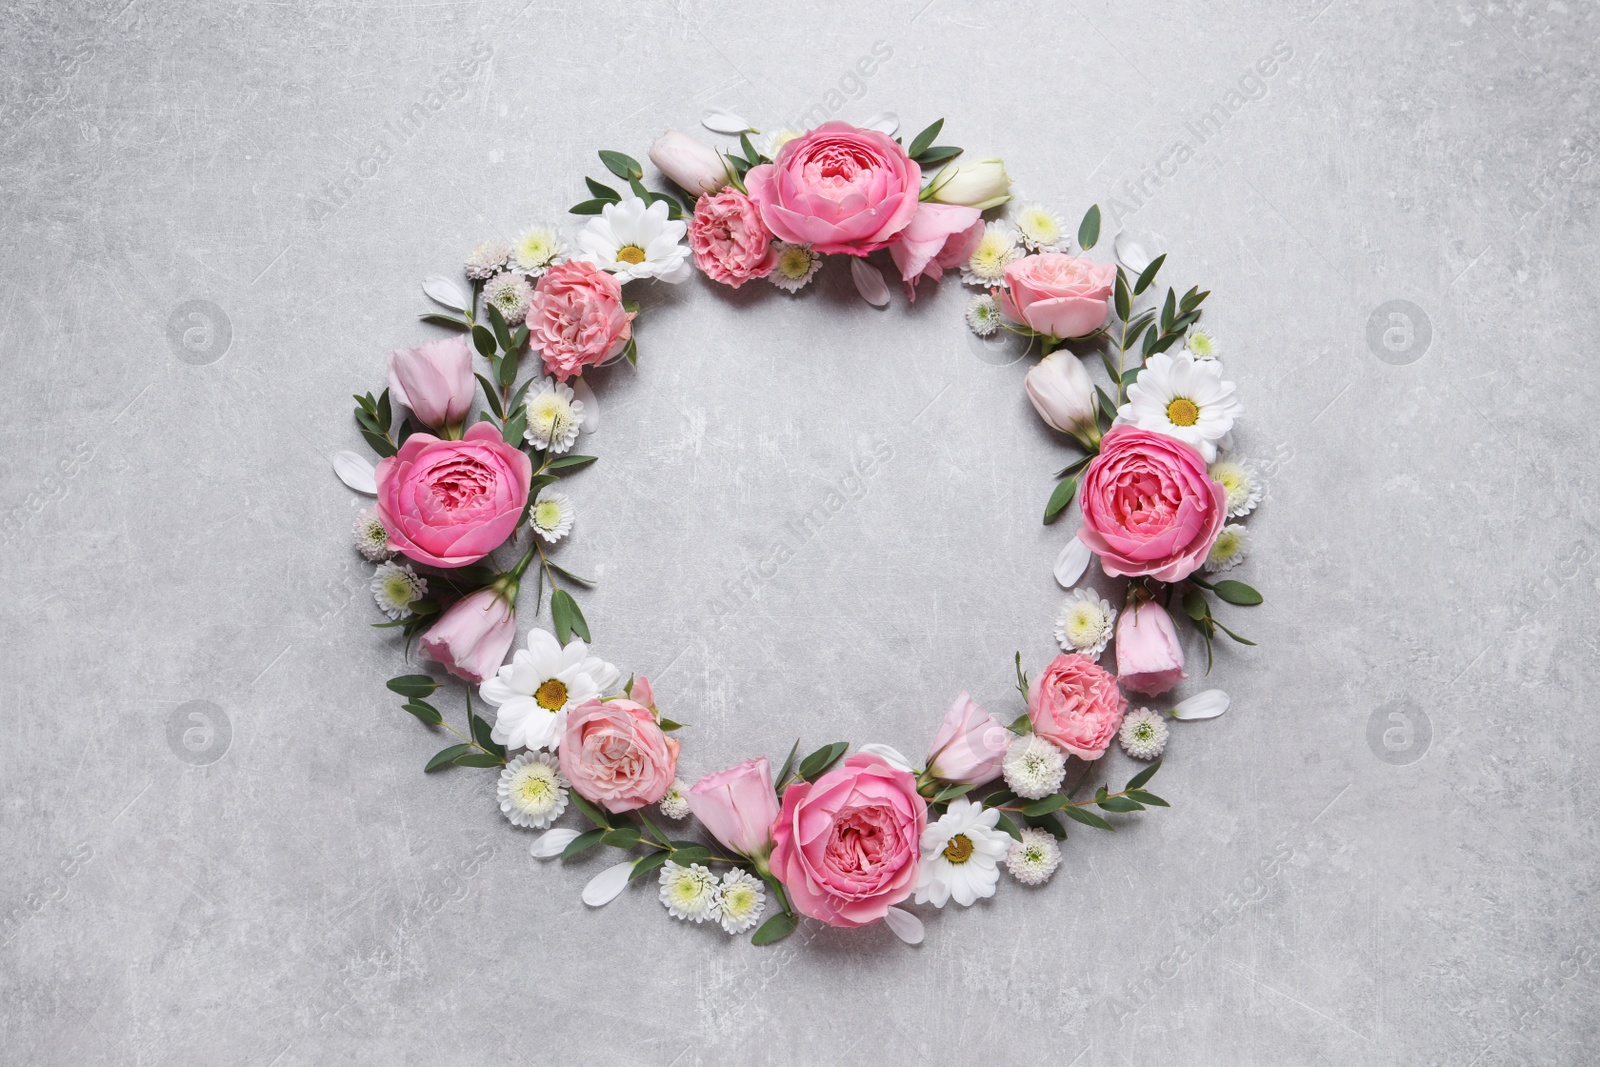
958	849
547	513
794	263
533	790
1182	412
630	254
551	694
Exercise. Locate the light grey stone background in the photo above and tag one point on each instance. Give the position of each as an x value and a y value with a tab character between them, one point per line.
1385	853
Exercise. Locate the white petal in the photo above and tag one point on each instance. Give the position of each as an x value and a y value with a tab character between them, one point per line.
591	407
719	121
1207	705
906	926
604	887
445	291
1072	562
885	122
356	471
1130	253
888	752
551	843
869	282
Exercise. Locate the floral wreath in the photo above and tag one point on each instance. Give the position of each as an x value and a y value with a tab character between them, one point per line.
844	839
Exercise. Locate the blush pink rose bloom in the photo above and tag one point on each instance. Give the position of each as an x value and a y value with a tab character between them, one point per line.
1076	705
738	806
845	847
472	637
838	189
577	319
1057	294
450	503
1149	506
1149	658
729	241
970	747
938	237
435	381
615	755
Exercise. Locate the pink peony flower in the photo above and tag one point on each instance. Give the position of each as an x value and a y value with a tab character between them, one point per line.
450	503
739	807
1076	705
1149	506
615	755
435	381
938	237
1057	294
472	637
1149	658
838	189
577	319
846	846
970	746
728	239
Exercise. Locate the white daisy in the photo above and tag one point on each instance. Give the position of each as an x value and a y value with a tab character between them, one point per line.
371	539
983	315
960	855
1202	343
1040	228
1230	548
1184	398
1086	623
675	805
554	416
535	249
541	683
532	791
689	892
551	515
741	898
487	259
1242	484
797	265
395	586
1143	734
634	240
511	294
987	264
1034	767
1035	858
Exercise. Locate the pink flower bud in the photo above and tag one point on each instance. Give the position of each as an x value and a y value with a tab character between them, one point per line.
472	637
1063	396
435	381
970	746
692	165
738	806
1149	658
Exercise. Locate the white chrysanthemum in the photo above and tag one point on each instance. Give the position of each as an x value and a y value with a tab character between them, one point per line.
1143	734
1040	228
776	140
675	805
960	855
510	294
554	415
1086	623
1230	548
371	539
395	586
632	239
987	264
551	515
532	791
1202	343
983	315
741	898
1034	767
1184	398
1242	484
535	249
540	685
689	892
797	265
487	259
1035	858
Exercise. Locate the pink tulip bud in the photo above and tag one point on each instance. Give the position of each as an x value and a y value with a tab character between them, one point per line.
970	746
435	381
692	165
1149	658
471	639
1063	396
739	806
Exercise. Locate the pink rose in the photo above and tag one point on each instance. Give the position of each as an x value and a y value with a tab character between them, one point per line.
1057	294
838	189
1149	506
615	755
739	807
450	503
1149	658
435	381
1076	705
970	745
846	846
577	319
472	637
938	237
728	239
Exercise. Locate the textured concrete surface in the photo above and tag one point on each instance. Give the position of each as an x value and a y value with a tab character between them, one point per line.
1385	853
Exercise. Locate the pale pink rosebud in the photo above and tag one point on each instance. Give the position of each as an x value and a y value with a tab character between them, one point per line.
692	165
1149	658
1063	396
739	806
471	639
435	381
970	747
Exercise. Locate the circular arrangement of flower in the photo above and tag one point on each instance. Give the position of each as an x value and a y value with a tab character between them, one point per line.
475	432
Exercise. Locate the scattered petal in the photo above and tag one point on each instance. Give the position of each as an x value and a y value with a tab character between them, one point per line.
1207	705
1131	253
885	122
444	291
604	887
869	282
552	843
906	926
591	406
356	472
890	753
1072	562
719	121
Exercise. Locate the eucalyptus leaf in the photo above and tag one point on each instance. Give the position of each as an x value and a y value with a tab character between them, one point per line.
1059	499
1151	799
1045	805
921	141
645	864
413	685
623	166
817	764
483	340
589	207
479	759
582	843
1148	275
776	928
424	711
445	757
1138	780
1237	593
1088	818
1089	228
567	618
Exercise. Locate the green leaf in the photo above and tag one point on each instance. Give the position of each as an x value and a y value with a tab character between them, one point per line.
1192	299
569	575
1237	593
1088	818
1075	465
445	757
788	765
492	395
1045	805
625	167
1108	407
502	332
567	618
630	352
1168	312
685	853
817	764
1021	724
667	725
439	318
379	443
1194	605
1123	297
1089	228
602	192
938	154
750	152
508	370
519	337
1148	275
479	759
567	463
1148	798
1120	804
482	340
776	928
385	411
951	792
589	207
369	421
1138	780
424	711
1049	823
515	429
1004	822
920	143
483	733
1059	499
413	685
646	864
621	837
518	396
590	812
1236	637
582	843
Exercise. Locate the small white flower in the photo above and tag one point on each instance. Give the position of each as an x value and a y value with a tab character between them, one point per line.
1202	343
1035	858
487	259
1040	228
1242	484
395	586
675	805
540	685
983	315
741	898
1143	734
554	415
987	264
1230	548
797	265
960	855
535	249
776	140
1183	398
551	515
1086	623
1034	767
532	791
689	892
632	240
371	539
510	294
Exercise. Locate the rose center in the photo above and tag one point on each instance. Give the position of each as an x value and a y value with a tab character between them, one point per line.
958	849
630	254
551	694
1182	412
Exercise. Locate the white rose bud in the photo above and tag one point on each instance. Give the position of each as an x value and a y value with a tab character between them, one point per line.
982	184
1063	396
694	166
